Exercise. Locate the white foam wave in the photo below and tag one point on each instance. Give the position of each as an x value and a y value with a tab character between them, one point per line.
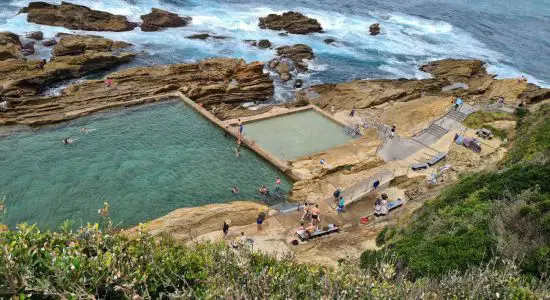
405	39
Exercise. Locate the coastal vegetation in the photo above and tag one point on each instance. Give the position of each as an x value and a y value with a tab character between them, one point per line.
485	237
95	262
503	214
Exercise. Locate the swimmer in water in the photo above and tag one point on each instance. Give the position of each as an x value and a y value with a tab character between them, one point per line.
85	130
68	141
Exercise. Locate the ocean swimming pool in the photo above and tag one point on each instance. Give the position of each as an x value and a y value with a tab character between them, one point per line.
293	135
146	161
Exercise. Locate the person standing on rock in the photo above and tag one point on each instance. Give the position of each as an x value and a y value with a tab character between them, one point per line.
225	228
260	220
332	110
392	131
241	127
352	112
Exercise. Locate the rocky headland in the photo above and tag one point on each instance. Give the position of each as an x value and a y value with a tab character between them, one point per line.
72	57
209	82
451	77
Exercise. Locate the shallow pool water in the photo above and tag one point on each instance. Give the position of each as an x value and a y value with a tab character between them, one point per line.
297	134
146	161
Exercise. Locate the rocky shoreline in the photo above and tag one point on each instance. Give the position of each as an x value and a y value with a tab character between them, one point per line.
222	84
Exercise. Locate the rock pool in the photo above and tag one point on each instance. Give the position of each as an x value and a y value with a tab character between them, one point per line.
146	161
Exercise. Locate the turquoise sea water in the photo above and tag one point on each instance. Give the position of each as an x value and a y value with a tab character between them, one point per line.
294	135
145	161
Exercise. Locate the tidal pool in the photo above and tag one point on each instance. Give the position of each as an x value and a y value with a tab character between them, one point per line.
293	135
146	161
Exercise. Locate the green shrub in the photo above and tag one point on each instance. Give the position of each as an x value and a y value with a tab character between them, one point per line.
89	263
381	237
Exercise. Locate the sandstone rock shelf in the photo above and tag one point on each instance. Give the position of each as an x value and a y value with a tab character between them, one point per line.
220	80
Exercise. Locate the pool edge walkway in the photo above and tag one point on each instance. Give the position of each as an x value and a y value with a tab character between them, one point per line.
226	126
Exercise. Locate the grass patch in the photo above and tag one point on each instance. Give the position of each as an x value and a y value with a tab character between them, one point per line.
479	119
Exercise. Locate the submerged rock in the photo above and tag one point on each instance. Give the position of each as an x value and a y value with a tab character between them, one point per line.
35	35
159	19
204	36
284	71
49	42
292	22
329	41
263	44
76	17
374	29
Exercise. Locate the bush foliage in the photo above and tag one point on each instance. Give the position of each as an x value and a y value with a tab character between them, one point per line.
89	263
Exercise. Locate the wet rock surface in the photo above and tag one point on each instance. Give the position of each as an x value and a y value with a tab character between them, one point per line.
159	19
76	17
291	22
374	29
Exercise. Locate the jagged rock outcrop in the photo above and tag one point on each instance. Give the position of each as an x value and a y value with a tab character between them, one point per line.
76	17
209	82
159	19
299	54
73	57
292	22
9	51
10	46
27	49
374	29
9	38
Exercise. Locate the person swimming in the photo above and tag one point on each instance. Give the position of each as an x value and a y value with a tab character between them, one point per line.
235	190
68	141
86	130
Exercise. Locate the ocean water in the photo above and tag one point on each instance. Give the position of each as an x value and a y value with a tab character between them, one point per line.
146	161
513	38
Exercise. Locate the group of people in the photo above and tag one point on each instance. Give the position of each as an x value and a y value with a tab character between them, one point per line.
311	217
